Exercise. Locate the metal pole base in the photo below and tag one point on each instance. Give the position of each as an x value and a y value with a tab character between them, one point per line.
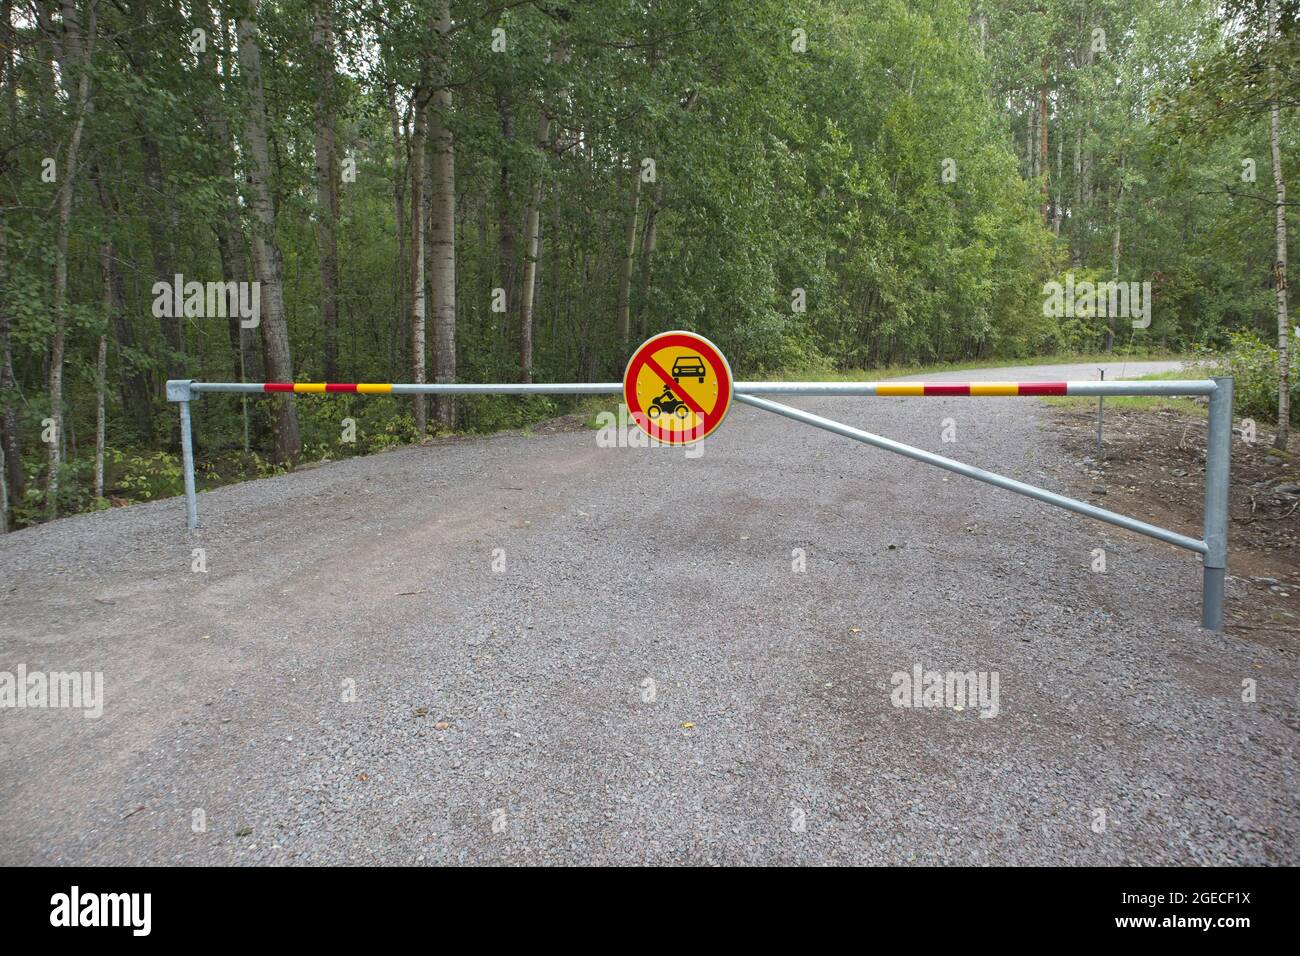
187	460
1218	464
1212	598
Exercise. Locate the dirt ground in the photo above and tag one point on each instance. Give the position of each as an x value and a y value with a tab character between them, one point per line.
1153	467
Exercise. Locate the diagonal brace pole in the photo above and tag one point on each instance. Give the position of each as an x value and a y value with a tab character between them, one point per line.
979	474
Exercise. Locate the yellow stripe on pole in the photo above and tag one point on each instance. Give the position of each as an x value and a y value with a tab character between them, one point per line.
900	390
995	388
309	386
374	388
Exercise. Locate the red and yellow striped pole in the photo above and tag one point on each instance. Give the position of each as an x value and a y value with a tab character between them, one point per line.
881	389
299	388
903	389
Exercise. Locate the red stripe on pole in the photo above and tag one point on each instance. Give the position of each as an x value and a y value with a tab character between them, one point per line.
1042	388
339	387
947	389
278	387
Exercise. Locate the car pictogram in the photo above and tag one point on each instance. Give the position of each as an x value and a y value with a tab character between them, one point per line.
689	366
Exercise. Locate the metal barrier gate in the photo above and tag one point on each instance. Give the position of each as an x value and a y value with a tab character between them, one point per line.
1213	547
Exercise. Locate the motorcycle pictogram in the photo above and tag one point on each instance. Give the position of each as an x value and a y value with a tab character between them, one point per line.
668	404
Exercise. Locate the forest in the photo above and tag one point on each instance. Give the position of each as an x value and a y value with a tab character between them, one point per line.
459	190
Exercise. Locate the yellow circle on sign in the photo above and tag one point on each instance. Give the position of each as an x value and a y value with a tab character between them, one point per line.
677	387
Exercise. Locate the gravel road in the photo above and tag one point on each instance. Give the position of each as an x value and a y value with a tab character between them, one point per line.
529	649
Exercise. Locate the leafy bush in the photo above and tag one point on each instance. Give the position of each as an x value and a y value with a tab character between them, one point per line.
142	477
1253	364
380	422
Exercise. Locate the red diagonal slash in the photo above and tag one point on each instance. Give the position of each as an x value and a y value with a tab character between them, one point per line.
680	392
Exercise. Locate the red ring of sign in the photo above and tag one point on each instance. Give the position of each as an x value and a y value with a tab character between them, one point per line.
641	357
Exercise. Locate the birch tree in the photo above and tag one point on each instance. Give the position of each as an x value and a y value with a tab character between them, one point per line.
420	107
327	190
1280	267
74	49
266	251
442	219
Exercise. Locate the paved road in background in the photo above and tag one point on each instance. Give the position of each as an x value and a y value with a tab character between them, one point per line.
646	679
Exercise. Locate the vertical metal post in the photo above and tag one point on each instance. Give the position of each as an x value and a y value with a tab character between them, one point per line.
1101	415
1218	455
187	457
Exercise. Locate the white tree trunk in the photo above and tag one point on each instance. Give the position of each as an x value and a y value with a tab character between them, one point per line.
4	495
442	228
420	404
266	253
629	260
101	377
1280	268
327	188
532	254
78	50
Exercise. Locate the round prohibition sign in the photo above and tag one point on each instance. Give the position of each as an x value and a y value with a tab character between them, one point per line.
677	387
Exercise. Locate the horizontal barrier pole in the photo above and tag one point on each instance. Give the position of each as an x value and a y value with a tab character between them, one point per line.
387	388
975	389
858	389
979	474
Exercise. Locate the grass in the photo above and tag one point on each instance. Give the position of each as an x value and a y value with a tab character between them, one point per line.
899	371
592	406
1146	403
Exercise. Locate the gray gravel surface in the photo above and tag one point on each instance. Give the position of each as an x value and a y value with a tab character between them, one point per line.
502	716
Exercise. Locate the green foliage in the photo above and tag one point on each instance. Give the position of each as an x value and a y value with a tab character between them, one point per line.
142	477
889	172
1254	367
